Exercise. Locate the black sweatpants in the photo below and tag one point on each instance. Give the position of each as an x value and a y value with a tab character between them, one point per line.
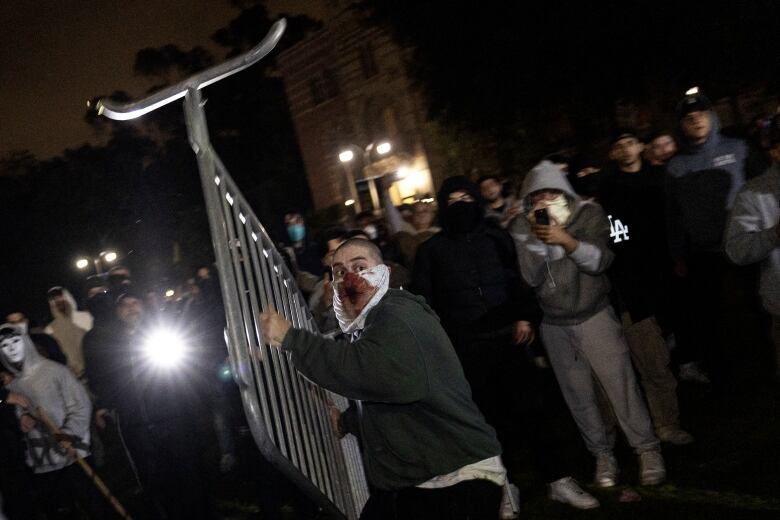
509	391
63	492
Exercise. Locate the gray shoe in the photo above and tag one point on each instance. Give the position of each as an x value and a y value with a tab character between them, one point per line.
568	491
652	470
675	436
606	470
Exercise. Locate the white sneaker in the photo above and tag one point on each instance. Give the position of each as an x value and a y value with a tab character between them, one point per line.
694	373
510	502
652	469
675	436
568	491
606	470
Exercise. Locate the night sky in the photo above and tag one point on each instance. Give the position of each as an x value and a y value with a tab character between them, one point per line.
59	53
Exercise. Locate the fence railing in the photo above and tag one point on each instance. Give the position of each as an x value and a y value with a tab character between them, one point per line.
288	415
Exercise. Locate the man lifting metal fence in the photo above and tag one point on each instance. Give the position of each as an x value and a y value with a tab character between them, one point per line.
289	416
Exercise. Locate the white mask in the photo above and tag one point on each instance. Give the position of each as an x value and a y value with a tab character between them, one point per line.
371	231
12	348
558	208
378	277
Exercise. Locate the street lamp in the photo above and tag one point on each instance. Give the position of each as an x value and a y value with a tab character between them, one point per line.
104	256
347	155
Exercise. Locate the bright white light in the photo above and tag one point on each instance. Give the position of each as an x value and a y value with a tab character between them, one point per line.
82	263
383	148
217	181
169	293
691	91
349	202
242	217
110	256
254	236
164	348
229	198
346	156
402	172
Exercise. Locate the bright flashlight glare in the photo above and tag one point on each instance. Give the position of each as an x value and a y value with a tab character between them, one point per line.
169	293
383	148
349	202
691	91
110	256
82	263
402	172
165	348
346	156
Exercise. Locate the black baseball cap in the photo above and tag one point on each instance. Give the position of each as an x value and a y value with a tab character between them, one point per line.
622	133
694	101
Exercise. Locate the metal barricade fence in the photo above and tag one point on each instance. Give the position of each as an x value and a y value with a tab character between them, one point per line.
288	415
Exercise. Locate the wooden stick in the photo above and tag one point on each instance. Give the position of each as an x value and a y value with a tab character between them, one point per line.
96	480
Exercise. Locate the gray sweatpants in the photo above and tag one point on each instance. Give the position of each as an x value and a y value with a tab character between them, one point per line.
597	347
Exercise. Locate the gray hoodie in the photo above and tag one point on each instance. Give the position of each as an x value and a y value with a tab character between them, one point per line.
751	235
571	288
52	388
702	183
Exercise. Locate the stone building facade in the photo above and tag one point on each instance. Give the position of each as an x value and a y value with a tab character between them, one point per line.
347	88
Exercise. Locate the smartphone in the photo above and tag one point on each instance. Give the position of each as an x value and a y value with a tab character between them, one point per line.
542	217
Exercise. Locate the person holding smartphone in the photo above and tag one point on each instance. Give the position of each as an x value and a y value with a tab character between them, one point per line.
563	251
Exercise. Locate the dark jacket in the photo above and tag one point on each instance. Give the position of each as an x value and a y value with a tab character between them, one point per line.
701	184
472	281
468	272
418	419
634	203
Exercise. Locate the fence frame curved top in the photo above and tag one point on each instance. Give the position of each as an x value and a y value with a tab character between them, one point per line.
134	109
287	414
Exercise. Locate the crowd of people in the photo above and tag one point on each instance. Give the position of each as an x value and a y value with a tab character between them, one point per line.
437	321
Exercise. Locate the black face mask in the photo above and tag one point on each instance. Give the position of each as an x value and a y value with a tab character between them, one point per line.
461	217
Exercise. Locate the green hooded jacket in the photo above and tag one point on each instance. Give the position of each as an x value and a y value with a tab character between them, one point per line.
417	418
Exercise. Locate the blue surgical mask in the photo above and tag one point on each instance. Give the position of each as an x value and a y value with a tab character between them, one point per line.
296	232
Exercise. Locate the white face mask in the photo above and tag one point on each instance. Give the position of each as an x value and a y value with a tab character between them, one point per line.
377	277
371	231
12	348
558	208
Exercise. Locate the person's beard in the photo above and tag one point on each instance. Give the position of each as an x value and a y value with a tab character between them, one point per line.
355	293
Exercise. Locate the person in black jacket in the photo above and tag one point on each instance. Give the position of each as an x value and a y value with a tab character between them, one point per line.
468	273
632	194
155	405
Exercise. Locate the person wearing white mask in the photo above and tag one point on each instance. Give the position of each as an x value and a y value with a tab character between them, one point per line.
563	250
427	449
51	389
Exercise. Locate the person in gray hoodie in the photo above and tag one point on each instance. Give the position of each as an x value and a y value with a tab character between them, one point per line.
753	233
52	390
565	262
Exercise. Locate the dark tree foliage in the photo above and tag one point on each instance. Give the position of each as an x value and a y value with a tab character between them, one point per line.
139	192
511	68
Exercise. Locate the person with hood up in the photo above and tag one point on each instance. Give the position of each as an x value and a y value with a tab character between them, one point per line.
565	261
53	390
468	273
427	450
753	233
68	327
702	181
